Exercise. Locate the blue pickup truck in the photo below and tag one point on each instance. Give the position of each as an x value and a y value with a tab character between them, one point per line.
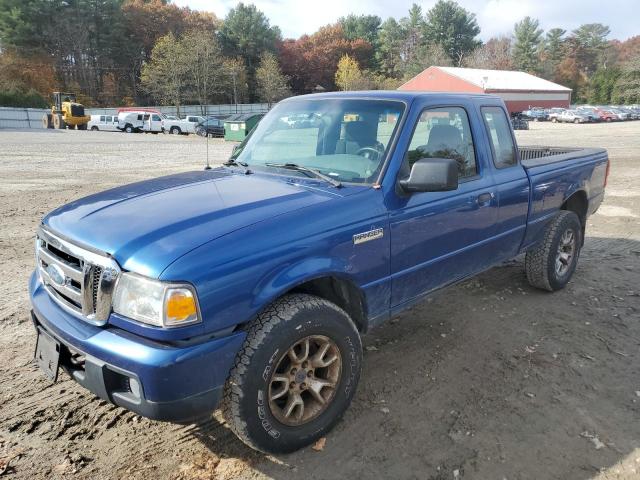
248	286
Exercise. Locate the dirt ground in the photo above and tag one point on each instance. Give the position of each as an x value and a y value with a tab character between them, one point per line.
490	379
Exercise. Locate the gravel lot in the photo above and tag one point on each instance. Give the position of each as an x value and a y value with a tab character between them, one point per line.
488	380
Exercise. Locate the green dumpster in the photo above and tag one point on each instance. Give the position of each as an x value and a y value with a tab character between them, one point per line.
238	126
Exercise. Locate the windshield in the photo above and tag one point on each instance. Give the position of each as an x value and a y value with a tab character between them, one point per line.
346	139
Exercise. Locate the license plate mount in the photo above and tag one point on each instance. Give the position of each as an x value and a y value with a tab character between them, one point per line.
47	354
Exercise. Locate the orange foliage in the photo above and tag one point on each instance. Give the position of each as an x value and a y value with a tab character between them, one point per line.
26	73
313	59
148	20
626	50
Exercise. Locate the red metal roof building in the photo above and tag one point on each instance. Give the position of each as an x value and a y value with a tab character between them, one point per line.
519	90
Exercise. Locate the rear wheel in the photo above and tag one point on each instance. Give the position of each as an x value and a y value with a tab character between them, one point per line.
47	121
554	120
295	375
576	121
58	122
550	265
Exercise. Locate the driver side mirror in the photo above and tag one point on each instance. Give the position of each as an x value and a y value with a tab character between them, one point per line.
432	175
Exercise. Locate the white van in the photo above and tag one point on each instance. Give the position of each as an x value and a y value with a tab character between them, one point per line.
140	121
108	123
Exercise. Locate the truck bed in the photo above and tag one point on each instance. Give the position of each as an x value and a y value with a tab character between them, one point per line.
536	156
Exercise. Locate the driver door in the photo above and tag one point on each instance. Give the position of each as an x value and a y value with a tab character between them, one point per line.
441	237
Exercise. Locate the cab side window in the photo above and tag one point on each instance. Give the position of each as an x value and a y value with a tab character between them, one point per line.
443	133
504	150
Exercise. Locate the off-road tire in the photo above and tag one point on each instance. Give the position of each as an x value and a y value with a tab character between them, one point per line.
58	122
540	260
245	406
47	121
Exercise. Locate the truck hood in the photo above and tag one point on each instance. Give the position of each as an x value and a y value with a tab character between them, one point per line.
147	225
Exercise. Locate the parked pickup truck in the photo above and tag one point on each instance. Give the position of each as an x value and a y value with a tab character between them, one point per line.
249	285
184	126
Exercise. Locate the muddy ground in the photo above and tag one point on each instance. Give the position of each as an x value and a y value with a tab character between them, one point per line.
490	379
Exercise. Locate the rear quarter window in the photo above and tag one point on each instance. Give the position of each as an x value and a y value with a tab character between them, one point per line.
499	130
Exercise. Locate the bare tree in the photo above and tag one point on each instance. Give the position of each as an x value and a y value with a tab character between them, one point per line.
496	54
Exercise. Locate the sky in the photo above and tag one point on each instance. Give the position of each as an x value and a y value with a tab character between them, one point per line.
495	17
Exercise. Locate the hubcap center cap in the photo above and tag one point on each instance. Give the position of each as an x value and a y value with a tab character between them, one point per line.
300	376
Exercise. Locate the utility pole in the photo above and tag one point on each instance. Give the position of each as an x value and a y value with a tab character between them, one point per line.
235	92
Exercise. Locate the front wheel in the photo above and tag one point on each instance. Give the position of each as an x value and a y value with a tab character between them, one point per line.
550	265
295	375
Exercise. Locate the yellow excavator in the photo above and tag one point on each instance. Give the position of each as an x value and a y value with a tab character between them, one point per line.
65	113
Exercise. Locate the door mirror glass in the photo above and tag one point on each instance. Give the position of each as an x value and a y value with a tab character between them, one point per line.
432	175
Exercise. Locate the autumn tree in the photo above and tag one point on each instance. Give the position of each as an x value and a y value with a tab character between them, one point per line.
312	60
236	82
202	57
568	73
166	75
627	49
528	35
453	28
424	57
493	55
348	73
272	84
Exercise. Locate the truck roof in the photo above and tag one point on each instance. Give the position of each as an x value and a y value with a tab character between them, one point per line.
405	96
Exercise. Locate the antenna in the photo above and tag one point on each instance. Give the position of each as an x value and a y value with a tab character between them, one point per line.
206	133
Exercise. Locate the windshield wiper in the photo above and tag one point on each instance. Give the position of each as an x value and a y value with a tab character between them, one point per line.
235	163
313	172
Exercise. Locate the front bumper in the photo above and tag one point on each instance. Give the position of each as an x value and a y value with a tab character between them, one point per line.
157	380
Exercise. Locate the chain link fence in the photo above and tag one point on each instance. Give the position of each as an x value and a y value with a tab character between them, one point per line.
11	117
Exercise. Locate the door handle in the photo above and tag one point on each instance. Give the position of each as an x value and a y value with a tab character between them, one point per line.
484	199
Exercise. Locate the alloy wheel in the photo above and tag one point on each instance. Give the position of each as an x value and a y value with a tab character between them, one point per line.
305	379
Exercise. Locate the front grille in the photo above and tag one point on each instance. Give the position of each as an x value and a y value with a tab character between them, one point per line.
77	110
80	280
95	285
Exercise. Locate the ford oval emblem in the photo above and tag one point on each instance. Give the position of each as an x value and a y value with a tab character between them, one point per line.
56	274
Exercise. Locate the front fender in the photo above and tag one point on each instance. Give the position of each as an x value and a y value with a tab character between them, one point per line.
286	277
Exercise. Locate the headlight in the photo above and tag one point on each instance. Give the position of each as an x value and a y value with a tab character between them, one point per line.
155	302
